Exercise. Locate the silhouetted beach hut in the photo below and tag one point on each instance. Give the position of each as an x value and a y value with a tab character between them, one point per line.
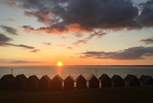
21	82
146	80
93	82
81	82
117	81
57	83
8	82
44	83
0	85
68	83
105	81
33	82
131	81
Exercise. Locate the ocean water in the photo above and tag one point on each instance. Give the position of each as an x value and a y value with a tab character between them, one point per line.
75	71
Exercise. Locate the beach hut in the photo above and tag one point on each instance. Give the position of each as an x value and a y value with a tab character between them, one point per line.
68	83
105	81
8	82
0	85
117	81
131	81
21	82
44	83
146	80
81	82
33	82
57	83
93	82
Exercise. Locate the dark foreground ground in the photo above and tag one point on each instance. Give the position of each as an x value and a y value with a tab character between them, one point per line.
115	95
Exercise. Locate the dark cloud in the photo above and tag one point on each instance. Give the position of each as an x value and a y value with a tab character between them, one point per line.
27	27
92	35
21	46
41	9
127	54
147	40
87	14
31	48
25	46
42	16
101	13
9	30
4	39
62	15
146	17
95	34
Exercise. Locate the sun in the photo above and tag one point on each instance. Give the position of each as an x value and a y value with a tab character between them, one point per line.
59	64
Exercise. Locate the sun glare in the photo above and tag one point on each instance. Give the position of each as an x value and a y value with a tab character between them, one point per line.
59	64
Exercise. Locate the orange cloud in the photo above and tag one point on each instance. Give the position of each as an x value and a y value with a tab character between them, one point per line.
56	30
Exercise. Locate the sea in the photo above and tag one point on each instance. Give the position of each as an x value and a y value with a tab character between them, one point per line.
86	70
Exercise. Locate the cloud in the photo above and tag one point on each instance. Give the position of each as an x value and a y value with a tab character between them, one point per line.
5	41
87	15
127	54
146	17
9	30
70	15
27	27
92	35
69	47
31	48
80	42
147	40
35	50
56	29
42	16
47	43
20	45
10	61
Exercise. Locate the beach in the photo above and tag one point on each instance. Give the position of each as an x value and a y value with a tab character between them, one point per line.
105	95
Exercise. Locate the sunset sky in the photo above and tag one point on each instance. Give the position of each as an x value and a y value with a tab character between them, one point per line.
77	32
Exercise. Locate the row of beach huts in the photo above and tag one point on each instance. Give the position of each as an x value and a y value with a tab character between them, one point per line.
21	82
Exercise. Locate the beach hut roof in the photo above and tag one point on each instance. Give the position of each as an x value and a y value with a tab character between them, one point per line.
93	78
69	78
57	77
130	77
21	76
116	77
104	77
8	77
45	77
80	78
33	77
145	77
